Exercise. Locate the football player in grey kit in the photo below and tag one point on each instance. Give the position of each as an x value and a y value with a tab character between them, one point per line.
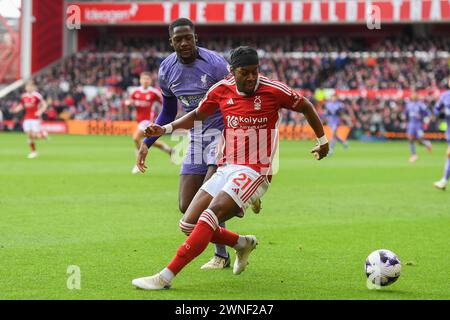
186	75
416	112
443	106
333	108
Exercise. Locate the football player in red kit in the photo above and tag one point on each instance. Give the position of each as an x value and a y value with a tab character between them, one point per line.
145	99
34	106
250	105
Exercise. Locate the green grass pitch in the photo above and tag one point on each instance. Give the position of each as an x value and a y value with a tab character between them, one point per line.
78	204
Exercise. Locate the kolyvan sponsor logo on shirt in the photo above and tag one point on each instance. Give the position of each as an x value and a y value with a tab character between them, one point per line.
236	121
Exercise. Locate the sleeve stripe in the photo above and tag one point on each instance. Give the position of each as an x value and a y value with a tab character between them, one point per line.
277	87
281	84
207	94
276	82
218	84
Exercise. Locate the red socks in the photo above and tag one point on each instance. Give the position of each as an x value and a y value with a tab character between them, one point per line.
224	236
206	230
196	243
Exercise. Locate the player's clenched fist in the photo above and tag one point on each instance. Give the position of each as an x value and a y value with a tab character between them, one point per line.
154	130
320	151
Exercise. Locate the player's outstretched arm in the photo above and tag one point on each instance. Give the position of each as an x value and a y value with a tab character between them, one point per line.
168	114
153	131
306	107
185	122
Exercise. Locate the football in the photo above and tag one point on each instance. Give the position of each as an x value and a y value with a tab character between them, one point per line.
382	267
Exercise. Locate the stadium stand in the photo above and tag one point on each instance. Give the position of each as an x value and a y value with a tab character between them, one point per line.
93	83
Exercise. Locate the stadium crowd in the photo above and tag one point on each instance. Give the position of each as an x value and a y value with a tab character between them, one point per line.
94	83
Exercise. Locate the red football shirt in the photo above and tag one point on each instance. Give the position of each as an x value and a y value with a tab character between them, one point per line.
31	102
144	100
250	135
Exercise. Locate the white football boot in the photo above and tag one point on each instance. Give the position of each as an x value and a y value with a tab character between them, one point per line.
135	170
216	263
441	184
242	255
155	282
32	155
256	206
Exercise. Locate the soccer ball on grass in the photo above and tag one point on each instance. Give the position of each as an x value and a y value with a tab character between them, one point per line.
382	268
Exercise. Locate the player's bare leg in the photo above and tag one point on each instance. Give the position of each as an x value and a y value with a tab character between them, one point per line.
442	184
137	137
200	203
339	139
43	134
426	143
412	149
332	145
221	209
211	170
333	142
188	187
164	147
31	142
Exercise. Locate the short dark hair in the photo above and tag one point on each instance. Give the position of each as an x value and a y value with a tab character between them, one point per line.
243	55
181	22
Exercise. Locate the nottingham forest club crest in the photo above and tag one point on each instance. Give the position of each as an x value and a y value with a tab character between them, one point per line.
257	103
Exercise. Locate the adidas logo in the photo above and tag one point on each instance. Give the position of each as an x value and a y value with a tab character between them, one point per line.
236	190
230	101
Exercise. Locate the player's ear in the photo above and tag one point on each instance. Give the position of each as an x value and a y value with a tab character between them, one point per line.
232	71
170	42
195	38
